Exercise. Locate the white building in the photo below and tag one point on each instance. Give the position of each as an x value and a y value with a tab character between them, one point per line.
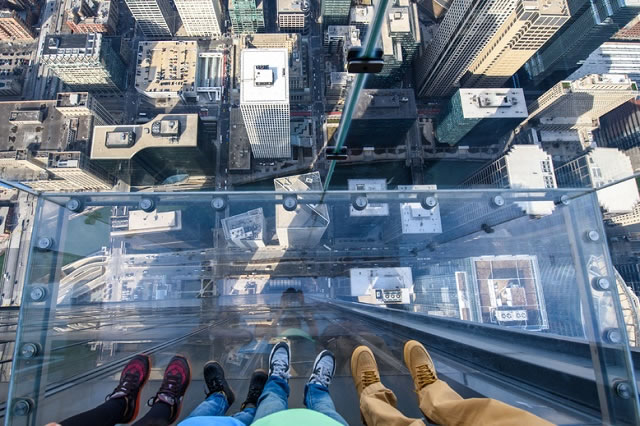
415	219
361	16
379	286
372	209
292	16
245	230
612	58
264	101
153	16
304	226
597	168
524	166
201	18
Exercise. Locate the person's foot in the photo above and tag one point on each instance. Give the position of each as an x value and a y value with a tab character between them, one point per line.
364	368
256	385
279	361
215	381
175	382
419	364
132	379
323	369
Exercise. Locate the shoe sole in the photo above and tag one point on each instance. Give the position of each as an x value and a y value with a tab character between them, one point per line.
333	372
271	355
357	351
144	382
186	387
225	379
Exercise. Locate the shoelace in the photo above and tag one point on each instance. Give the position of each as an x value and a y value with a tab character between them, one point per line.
322	374
369	378
424	376
280	369
125	386
216	386
170	387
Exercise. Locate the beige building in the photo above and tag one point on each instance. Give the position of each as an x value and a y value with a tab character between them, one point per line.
167	69
92	16
526	29
12	27
200	18
78	104
292	16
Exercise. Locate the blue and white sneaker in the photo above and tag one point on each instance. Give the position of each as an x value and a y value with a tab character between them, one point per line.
324	368
280	361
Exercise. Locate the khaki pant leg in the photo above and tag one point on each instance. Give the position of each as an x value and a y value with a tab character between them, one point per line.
378	407
444	406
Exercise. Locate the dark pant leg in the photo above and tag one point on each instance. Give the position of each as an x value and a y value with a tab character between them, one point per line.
107	414
159	415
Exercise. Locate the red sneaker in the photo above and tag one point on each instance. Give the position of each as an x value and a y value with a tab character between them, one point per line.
175	382
132	379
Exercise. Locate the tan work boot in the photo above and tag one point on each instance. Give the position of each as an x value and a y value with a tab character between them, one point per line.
419	364
364	368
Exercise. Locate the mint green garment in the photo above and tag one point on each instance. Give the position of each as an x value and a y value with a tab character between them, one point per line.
296	417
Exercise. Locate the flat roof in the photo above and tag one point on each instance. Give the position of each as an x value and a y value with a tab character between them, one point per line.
361	279
161	132
293	5
493	103
362	14
257	63
386	103
72	44
71	99
525	170
416	219
244	226
239	145
305	215
167	66
612	165
372	209
399	20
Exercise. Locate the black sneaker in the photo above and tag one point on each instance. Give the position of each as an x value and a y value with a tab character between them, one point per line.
324	369
132	379
215	381
256	385
280	361
175	382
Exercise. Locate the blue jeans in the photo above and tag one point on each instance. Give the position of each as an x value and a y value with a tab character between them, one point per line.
216	405
275	396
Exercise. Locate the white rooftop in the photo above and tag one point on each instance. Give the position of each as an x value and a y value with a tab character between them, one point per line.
372	209
363	279
362	14
147	222
530	167
264	76
607	165
416	219
493	103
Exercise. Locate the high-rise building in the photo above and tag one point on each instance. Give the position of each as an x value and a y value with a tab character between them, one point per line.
78	104
631	31
99	16
401	40
599	167
79	174
294	16
361	17
382	118
154	17
486	37
264	101
245	230
167	69
247	16
591	24
85	62
576	105
12	27
338	39
335	12
200	18
491	113
304	226
611	58
524	166
620	128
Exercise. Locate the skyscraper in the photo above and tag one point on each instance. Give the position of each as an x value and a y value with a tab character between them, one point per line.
155	17
612	58
620	128
78	104
247	16
335	12
591	24
85	62
489	38
400	43
490	112
245	230
201	18
293	16
264	101
598	167
12	27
